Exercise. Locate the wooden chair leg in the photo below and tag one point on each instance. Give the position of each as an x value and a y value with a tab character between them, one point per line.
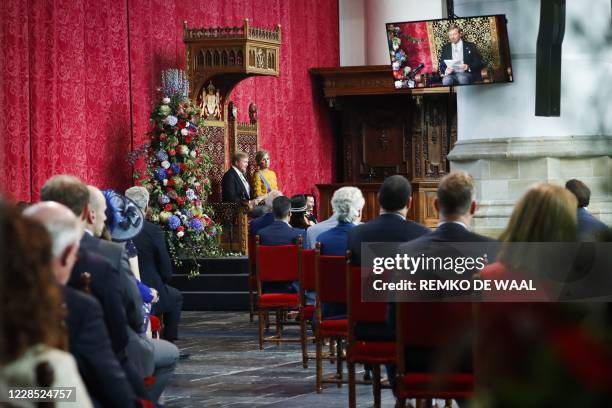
304	341
448	403
319	363
278	326
376	384
260	320
339	361
331	350
351	384
251	304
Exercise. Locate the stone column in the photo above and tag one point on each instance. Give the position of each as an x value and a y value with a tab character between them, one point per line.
505	146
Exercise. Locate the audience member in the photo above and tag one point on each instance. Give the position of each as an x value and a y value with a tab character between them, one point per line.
456	206
264	179
298	212
313	232
31	314
334	241
155	266
394	198
280	233
165	354
267	218
589	227
310	216
107	263
348	207
88	338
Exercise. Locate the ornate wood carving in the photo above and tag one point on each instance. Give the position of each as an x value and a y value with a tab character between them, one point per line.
384	131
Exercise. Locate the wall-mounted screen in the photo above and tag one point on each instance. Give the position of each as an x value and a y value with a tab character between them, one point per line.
461	51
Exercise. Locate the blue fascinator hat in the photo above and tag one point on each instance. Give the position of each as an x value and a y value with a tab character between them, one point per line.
123	217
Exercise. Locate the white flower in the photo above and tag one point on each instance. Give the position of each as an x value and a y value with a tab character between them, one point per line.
165	164
180	234
183	149
183	218
184	132
191	180
188	124
399	84
193	154
165	182
166	100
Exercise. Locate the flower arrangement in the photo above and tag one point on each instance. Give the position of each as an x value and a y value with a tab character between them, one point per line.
176	173
401	70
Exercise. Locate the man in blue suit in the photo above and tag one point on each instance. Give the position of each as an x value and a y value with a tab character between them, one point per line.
280	233
394	198
589	227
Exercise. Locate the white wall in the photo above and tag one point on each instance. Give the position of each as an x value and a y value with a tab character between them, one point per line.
508	110
363	40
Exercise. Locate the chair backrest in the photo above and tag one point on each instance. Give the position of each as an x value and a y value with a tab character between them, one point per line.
433	324
359	311
330	272
276	263
307	269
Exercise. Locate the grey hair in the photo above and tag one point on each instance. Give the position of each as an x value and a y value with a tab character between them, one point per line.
270	197
347	203
139	195
63	226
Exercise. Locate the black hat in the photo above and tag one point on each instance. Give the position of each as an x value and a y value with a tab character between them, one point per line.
123	217
298	203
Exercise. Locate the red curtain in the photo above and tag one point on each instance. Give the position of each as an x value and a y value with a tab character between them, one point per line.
79	78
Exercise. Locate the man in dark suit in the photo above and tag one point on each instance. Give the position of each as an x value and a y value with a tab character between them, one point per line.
589	227
267	218
280	233
470	61
456	207
155	266
394	198
234	186
88	338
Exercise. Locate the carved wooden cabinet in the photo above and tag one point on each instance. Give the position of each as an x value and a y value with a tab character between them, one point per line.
381	131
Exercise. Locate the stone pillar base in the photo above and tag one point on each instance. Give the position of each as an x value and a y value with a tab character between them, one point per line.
503	169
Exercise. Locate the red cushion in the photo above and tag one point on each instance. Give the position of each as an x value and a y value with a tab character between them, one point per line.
308	312
333	328
375	352
425	385
155	323
268	300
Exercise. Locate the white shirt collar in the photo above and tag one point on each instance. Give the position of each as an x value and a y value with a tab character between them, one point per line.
455	222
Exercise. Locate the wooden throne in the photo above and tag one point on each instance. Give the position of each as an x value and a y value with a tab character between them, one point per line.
218	58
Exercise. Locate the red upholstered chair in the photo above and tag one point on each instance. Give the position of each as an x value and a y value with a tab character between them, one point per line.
252	277
307	283
330	278
445	330
275	264
156	326
362	314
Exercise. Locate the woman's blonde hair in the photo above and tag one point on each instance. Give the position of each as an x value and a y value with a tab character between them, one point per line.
545	213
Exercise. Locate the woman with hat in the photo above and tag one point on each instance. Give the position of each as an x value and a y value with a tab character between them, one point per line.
298	212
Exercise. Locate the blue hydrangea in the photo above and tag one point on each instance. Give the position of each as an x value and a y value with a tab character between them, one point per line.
161	155
196	224
161	173
176	168
171	120
174	222
187	213
163	199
